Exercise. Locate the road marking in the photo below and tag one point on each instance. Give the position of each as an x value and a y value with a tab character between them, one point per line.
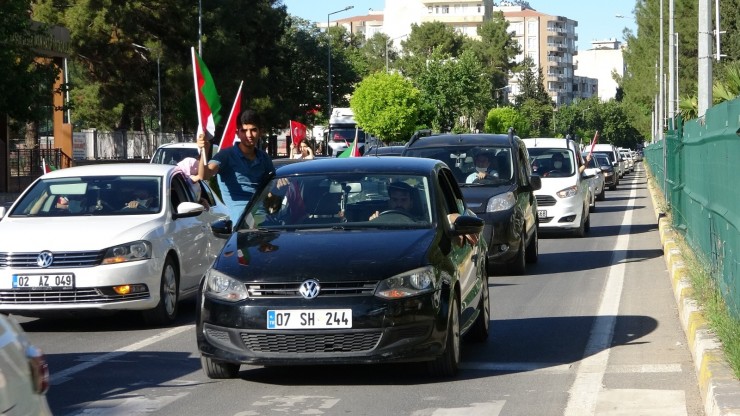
65	375
475	409
584	393
517	367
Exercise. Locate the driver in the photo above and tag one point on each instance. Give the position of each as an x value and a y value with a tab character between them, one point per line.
399	198
485	169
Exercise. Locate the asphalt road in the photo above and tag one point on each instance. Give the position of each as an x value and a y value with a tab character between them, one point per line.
592	329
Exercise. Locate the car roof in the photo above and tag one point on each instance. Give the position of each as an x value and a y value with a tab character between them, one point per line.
143	168
190	145
467	139
547	142
388	164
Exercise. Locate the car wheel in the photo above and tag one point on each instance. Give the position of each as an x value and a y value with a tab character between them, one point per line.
446	365
519	265
479	331
533	248
218	369
592	204
602	194
166	310
581	230
587	225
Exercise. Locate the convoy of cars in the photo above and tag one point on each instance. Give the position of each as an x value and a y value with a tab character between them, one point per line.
264	291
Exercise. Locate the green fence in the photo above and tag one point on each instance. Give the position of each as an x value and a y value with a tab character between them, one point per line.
701	162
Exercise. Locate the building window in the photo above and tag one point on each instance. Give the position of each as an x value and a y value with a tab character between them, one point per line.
445	9
531	42
480	9
532	26
430	9
517	28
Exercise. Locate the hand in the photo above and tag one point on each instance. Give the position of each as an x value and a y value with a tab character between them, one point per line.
132	204
374	216
482	175
201	141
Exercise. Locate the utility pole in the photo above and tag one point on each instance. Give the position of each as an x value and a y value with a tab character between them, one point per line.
705	57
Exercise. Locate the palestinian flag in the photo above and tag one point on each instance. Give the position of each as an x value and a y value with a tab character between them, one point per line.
206	97
45	167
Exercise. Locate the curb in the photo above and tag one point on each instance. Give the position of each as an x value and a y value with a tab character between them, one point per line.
718	386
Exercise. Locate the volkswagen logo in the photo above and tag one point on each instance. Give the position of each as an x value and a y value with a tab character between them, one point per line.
45	259
309	289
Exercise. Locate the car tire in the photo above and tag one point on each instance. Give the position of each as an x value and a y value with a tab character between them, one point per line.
447	364
215	369
479	331
587	225
519	264
602	194
533	248
166	310
581	230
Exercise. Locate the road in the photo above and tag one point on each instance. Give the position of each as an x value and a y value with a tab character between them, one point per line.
592	329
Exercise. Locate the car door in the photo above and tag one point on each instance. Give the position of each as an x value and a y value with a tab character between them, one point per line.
190	235
525	196
463	255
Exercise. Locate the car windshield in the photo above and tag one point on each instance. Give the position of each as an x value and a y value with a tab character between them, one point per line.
91	195
347	135
603	161
467	162
552	162
172	155
342	201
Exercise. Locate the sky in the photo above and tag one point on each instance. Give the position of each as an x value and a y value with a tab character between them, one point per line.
596	20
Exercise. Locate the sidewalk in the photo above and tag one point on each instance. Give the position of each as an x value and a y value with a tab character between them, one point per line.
718	386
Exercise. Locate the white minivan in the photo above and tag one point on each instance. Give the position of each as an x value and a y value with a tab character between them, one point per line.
563	201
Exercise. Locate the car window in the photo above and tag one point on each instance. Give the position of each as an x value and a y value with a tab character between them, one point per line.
91	195
342	200
462	162
172	155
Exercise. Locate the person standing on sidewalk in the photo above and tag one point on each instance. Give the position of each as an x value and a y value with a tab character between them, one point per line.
240	168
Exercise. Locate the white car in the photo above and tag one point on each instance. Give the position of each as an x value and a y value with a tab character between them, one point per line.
596	180
107	237
563	201
25	373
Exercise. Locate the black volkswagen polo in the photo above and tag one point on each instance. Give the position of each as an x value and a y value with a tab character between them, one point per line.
341	261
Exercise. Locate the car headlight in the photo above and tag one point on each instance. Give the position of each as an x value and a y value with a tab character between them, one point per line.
223	287
134	251
501	202
408	284
568	192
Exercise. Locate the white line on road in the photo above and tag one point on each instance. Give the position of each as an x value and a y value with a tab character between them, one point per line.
587	385
65	375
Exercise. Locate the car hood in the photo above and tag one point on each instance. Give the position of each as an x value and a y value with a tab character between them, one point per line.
552	185
259	256
72	234
476	197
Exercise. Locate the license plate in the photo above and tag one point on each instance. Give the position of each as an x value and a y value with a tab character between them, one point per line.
541	213
45	281
309	319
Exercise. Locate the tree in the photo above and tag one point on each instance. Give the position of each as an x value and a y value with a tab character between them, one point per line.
501	118
25	82
425	40
387	106
497	51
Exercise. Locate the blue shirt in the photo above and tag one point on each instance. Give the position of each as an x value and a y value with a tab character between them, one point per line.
238	177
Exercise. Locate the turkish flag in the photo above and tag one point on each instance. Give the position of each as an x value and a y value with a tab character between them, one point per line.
297	131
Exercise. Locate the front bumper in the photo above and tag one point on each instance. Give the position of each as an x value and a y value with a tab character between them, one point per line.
501	235
564	214
382	331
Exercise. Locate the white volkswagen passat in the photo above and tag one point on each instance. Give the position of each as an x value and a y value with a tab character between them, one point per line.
107	237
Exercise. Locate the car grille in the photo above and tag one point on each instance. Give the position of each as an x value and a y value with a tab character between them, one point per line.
45	297
68	259
311	343
290	290
545	200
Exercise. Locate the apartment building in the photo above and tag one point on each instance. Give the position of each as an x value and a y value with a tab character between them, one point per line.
549	40
365	26
602	62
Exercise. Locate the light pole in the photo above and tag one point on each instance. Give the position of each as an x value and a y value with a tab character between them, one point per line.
159	84
387	44
328	53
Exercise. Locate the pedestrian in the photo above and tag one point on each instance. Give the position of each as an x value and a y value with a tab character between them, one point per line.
302	150
240	168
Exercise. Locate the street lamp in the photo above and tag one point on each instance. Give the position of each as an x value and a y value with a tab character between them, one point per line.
328	51
386	49
159	84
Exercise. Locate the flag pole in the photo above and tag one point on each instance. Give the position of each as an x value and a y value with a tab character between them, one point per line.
593	142
196	90
231	114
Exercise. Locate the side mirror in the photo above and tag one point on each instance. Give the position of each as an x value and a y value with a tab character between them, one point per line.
467	224
535	182
221	228
188	209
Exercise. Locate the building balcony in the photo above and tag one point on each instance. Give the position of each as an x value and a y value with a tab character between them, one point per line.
453	18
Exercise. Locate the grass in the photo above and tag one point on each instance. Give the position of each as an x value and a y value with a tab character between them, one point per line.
707	293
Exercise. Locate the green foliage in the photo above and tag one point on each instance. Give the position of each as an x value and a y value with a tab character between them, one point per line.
538	116
531	85
497	51
501	118
427	40
25	83
387	106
